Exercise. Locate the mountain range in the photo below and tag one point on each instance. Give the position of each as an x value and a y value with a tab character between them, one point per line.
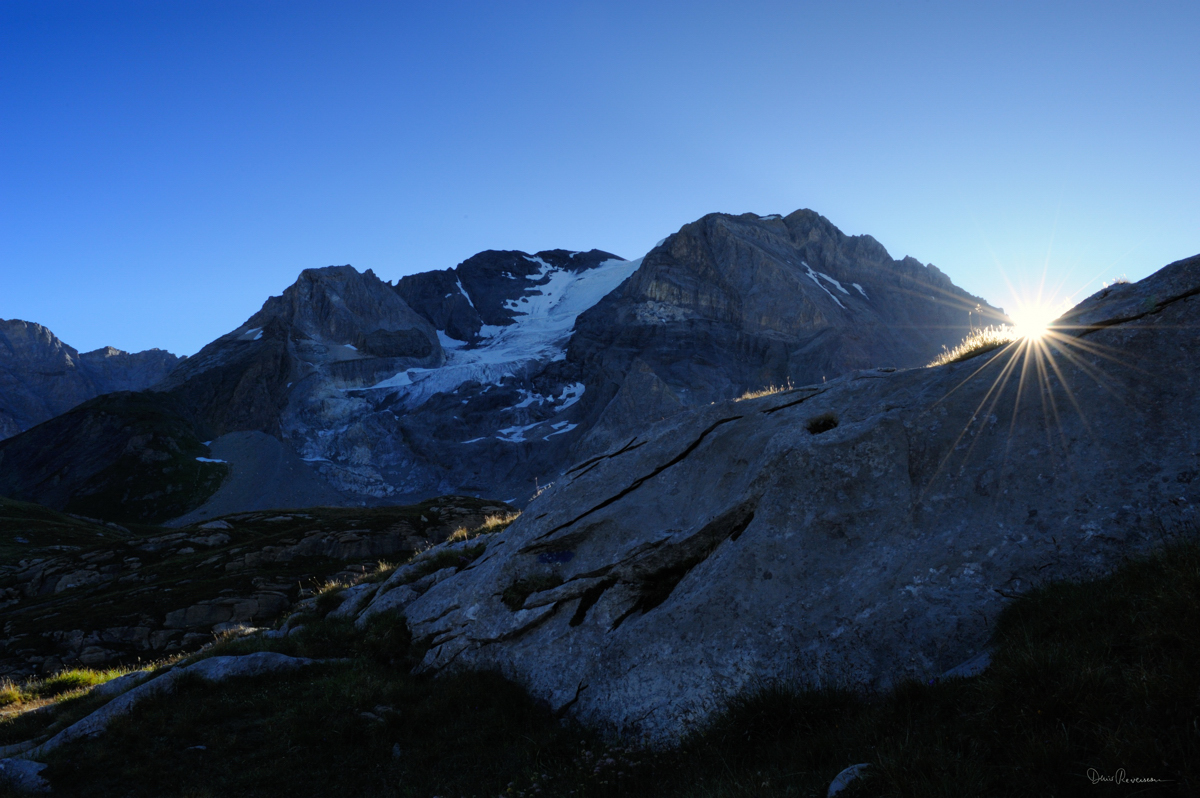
489	378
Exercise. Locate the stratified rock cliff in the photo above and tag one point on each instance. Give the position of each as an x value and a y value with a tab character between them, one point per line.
734	303
41	377
862	530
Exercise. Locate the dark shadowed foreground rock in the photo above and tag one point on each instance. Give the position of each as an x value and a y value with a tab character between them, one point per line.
865	530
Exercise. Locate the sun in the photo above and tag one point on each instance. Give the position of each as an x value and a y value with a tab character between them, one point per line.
1032	319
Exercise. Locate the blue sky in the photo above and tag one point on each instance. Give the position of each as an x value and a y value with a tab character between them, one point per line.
164	167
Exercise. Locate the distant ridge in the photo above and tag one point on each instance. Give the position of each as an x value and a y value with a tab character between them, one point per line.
42	377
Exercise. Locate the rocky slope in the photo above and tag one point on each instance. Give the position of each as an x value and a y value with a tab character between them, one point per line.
862	530
128	457
42	377
492	377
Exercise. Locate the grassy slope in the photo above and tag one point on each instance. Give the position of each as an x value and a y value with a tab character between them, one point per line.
170	581
126	457
42	529
1102	675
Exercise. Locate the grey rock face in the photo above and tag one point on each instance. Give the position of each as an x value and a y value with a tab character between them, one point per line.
23	775
333	328
41	377
867	529
735	303
727	304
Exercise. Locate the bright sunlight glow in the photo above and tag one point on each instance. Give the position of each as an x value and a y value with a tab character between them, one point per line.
1030	320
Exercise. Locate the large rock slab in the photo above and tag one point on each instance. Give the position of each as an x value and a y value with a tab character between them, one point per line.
865	530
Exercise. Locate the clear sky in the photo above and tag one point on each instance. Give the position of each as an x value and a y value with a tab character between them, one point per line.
166	166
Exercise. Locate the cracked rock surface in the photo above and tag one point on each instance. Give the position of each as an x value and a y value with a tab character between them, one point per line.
865	530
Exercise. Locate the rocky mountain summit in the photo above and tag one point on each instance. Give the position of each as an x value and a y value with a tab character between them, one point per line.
862	530
42	377
494	376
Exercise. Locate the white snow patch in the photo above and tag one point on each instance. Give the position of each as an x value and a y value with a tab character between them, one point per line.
351	346
860	290
208	460
570	395
449	343
464	292
317	460
474	440
516	434
539	334
567	428
529	397
835	282
491	330
770	217
817	280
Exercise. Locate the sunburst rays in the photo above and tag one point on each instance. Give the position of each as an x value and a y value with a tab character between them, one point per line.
1032	368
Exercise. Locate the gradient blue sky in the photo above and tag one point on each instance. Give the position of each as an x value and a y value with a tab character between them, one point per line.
166	166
